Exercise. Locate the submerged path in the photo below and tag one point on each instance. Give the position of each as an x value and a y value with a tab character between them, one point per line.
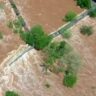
54	34
18	14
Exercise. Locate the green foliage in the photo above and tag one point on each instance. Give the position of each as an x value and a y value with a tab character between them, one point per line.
69	80
55	51
92	13
68	61
11	93
21	20
27	38
84	3
16	25
86	30
67	34
36	37
73	62
1	35
69	16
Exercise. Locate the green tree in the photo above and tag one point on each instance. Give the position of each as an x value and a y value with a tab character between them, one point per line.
92	13
11	93
84	3
69	80
36	37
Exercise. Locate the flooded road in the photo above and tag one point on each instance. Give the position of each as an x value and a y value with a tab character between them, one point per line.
48	13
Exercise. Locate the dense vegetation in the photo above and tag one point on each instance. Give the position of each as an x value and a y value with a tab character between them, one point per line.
69	16
84	3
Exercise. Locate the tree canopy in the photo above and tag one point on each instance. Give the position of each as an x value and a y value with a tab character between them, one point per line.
84	3
36	37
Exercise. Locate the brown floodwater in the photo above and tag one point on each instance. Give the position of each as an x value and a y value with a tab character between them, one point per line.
48	13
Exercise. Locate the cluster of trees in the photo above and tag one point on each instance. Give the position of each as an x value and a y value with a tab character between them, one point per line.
37	38
62	58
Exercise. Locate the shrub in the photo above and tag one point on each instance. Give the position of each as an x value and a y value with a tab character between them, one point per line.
11	93
67	34
69	16
1	35
92	13
84	3
16	25
86	30
47	85
10	24
69	80
73	62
